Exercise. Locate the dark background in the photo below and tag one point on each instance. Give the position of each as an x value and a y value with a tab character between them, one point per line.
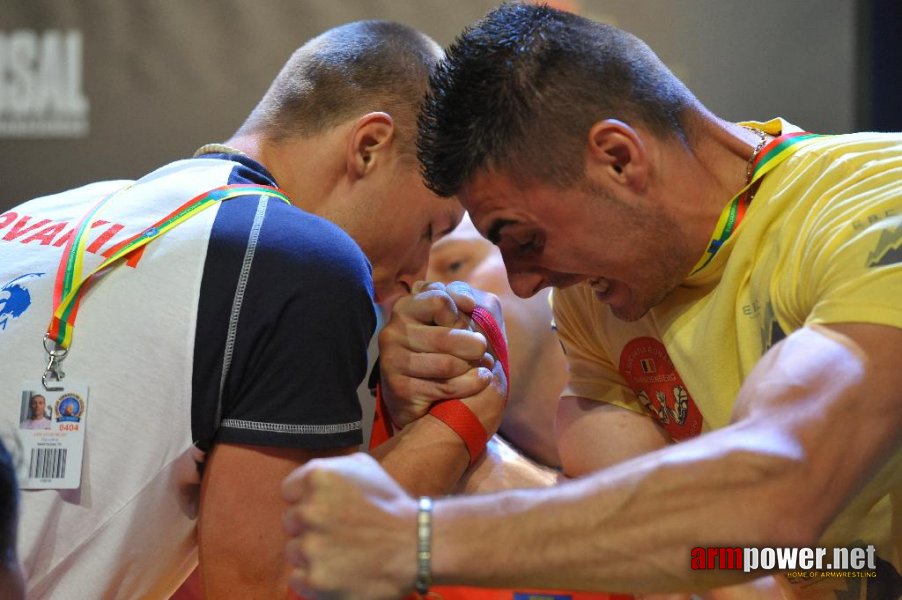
162	77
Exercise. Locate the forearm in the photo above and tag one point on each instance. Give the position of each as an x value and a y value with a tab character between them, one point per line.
630	528
815	421
425	458
591	534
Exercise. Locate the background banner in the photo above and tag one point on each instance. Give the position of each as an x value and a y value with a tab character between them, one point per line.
106	89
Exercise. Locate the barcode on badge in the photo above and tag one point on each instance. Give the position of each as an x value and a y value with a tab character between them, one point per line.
47	463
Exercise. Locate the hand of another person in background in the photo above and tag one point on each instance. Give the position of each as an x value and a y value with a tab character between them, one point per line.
429	351
342	513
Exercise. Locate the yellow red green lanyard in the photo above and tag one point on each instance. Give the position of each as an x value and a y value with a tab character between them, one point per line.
778	150
71	285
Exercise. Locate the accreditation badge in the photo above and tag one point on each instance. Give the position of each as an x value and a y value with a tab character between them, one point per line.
52	429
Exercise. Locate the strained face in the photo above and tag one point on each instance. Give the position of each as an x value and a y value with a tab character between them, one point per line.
548	236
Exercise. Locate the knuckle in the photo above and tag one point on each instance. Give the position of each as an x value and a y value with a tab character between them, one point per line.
447	389
446	366
433	285
401	305
461	287
392	337
306	515
385	335
464	345
416	392
293	518
437	302
318	579
491	302
294	552
424	393
440	301
321	478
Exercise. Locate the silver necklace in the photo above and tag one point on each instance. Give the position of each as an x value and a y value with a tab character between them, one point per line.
762	139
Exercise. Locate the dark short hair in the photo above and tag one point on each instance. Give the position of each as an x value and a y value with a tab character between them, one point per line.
519	90
352	69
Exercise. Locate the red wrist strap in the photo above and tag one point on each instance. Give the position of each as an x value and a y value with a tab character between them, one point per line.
495	337
457	415
462	421
453	413
382	427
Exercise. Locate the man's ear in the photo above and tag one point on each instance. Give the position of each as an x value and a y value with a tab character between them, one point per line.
616	151
371	136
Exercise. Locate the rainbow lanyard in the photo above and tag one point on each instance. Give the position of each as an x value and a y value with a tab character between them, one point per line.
71	285
778	150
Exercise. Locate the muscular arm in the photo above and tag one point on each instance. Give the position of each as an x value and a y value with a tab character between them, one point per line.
591	436
816	418
240	528
594	435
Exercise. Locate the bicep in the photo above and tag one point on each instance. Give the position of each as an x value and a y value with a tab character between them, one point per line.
594	435
828	382
828	399
240	526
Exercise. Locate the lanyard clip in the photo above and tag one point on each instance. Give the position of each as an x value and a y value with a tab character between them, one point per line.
54	370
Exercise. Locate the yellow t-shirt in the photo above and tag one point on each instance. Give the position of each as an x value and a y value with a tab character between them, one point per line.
820	243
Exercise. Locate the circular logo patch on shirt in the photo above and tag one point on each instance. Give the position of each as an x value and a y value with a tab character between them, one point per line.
648	370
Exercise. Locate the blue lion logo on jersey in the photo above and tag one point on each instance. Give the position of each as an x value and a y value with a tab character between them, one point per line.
14	299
